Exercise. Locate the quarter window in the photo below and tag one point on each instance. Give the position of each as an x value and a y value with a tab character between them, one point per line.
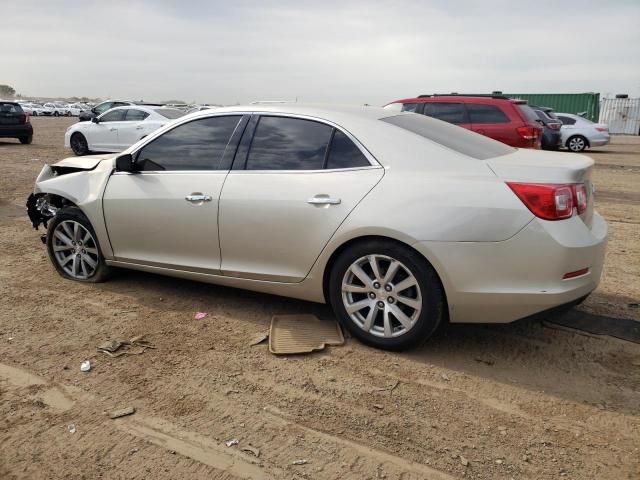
486	114
566	120
197	145
343	153
134	115
113	116
281	143
448	112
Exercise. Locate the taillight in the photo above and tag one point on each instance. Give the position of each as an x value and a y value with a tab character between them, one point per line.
554	126
528	133
602	129
26	117
552	201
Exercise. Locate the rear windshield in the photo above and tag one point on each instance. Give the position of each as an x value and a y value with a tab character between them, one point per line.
550	114
6	107
456	138
170	113
528	112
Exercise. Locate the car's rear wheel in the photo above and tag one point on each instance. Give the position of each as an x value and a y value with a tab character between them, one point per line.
79	144
26	140
74	249
386	294
577	143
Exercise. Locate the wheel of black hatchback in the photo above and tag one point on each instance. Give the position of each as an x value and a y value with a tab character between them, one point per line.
26	140
79	144
73	247
386	294
577	143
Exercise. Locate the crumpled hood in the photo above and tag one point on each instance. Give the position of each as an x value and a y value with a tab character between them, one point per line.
88	162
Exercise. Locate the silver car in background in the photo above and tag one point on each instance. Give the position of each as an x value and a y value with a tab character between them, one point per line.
398	220
579	133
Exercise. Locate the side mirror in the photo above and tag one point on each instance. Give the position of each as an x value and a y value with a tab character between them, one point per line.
95	120
125	163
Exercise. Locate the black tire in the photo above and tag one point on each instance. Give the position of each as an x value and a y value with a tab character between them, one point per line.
26	140
432	296
73	214
577	143
79	144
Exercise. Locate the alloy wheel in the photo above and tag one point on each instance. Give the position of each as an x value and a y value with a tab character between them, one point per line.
576	144
381	296
75	249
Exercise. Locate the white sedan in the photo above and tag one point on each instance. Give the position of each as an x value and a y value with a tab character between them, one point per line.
579	133
117	129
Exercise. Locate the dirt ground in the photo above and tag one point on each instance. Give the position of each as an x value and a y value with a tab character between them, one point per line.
516	401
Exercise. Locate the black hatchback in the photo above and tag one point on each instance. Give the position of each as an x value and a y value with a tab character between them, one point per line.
14	122
551	137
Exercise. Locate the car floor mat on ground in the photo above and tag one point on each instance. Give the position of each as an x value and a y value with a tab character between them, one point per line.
600	325
302	334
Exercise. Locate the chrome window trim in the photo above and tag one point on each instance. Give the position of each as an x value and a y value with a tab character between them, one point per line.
207	114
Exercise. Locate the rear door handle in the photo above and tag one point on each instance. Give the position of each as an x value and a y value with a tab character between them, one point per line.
198	198
324	200
139	127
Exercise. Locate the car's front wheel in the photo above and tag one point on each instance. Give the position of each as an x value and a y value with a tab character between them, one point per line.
577	143
386	294
73	247
79	144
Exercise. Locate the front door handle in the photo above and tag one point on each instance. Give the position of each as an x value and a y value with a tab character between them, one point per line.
139	128
113	129
198	198
323	200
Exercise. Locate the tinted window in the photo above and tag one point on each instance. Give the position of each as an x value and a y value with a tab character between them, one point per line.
288	144
343	153
528	112
113	116
450	136
448	112
170	112
486	114
566	120
103	107
409	107
135	115
10	108
197	145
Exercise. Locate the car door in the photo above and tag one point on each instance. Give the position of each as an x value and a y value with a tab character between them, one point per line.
103	135
293	183
451	112
567	128
166	214
491	121
132	128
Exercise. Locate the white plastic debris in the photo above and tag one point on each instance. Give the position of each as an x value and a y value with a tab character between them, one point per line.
301	461
71	428
85	366
233	442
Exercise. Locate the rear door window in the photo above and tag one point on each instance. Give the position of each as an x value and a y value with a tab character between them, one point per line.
449	112
135	115
113	116
479	114
281	143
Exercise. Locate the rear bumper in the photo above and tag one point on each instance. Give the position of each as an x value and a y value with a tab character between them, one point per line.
551	139
599	141
15	131
499	282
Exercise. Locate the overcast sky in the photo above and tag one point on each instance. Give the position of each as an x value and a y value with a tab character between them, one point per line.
327	51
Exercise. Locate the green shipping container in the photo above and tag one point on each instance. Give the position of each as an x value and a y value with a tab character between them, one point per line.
565	102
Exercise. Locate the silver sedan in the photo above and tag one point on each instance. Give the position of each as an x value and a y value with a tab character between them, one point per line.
398	220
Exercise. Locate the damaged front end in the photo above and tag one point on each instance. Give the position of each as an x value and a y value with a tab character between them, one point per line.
41	208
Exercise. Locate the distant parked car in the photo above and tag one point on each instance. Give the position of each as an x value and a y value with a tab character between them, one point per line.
579	133
41	110
27	108
551	137
496	116
57	110
14	122
108	105
117	129
75	109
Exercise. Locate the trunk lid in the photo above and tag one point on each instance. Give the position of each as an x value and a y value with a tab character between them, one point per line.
544	167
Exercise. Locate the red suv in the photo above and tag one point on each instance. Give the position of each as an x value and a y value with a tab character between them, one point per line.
502	118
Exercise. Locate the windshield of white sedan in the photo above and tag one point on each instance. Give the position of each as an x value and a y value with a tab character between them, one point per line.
450	136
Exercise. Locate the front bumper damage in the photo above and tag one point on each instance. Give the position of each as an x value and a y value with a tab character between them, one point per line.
41	209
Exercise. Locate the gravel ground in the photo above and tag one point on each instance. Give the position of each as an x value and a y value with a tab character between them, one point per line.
490	402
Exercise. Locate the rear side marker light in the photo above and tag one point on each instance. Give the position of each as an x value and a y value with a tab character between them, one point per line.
552	201
577	273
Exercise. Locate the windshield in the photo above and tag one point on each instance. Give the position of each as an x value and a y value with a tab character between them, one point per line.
451	136
170	113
